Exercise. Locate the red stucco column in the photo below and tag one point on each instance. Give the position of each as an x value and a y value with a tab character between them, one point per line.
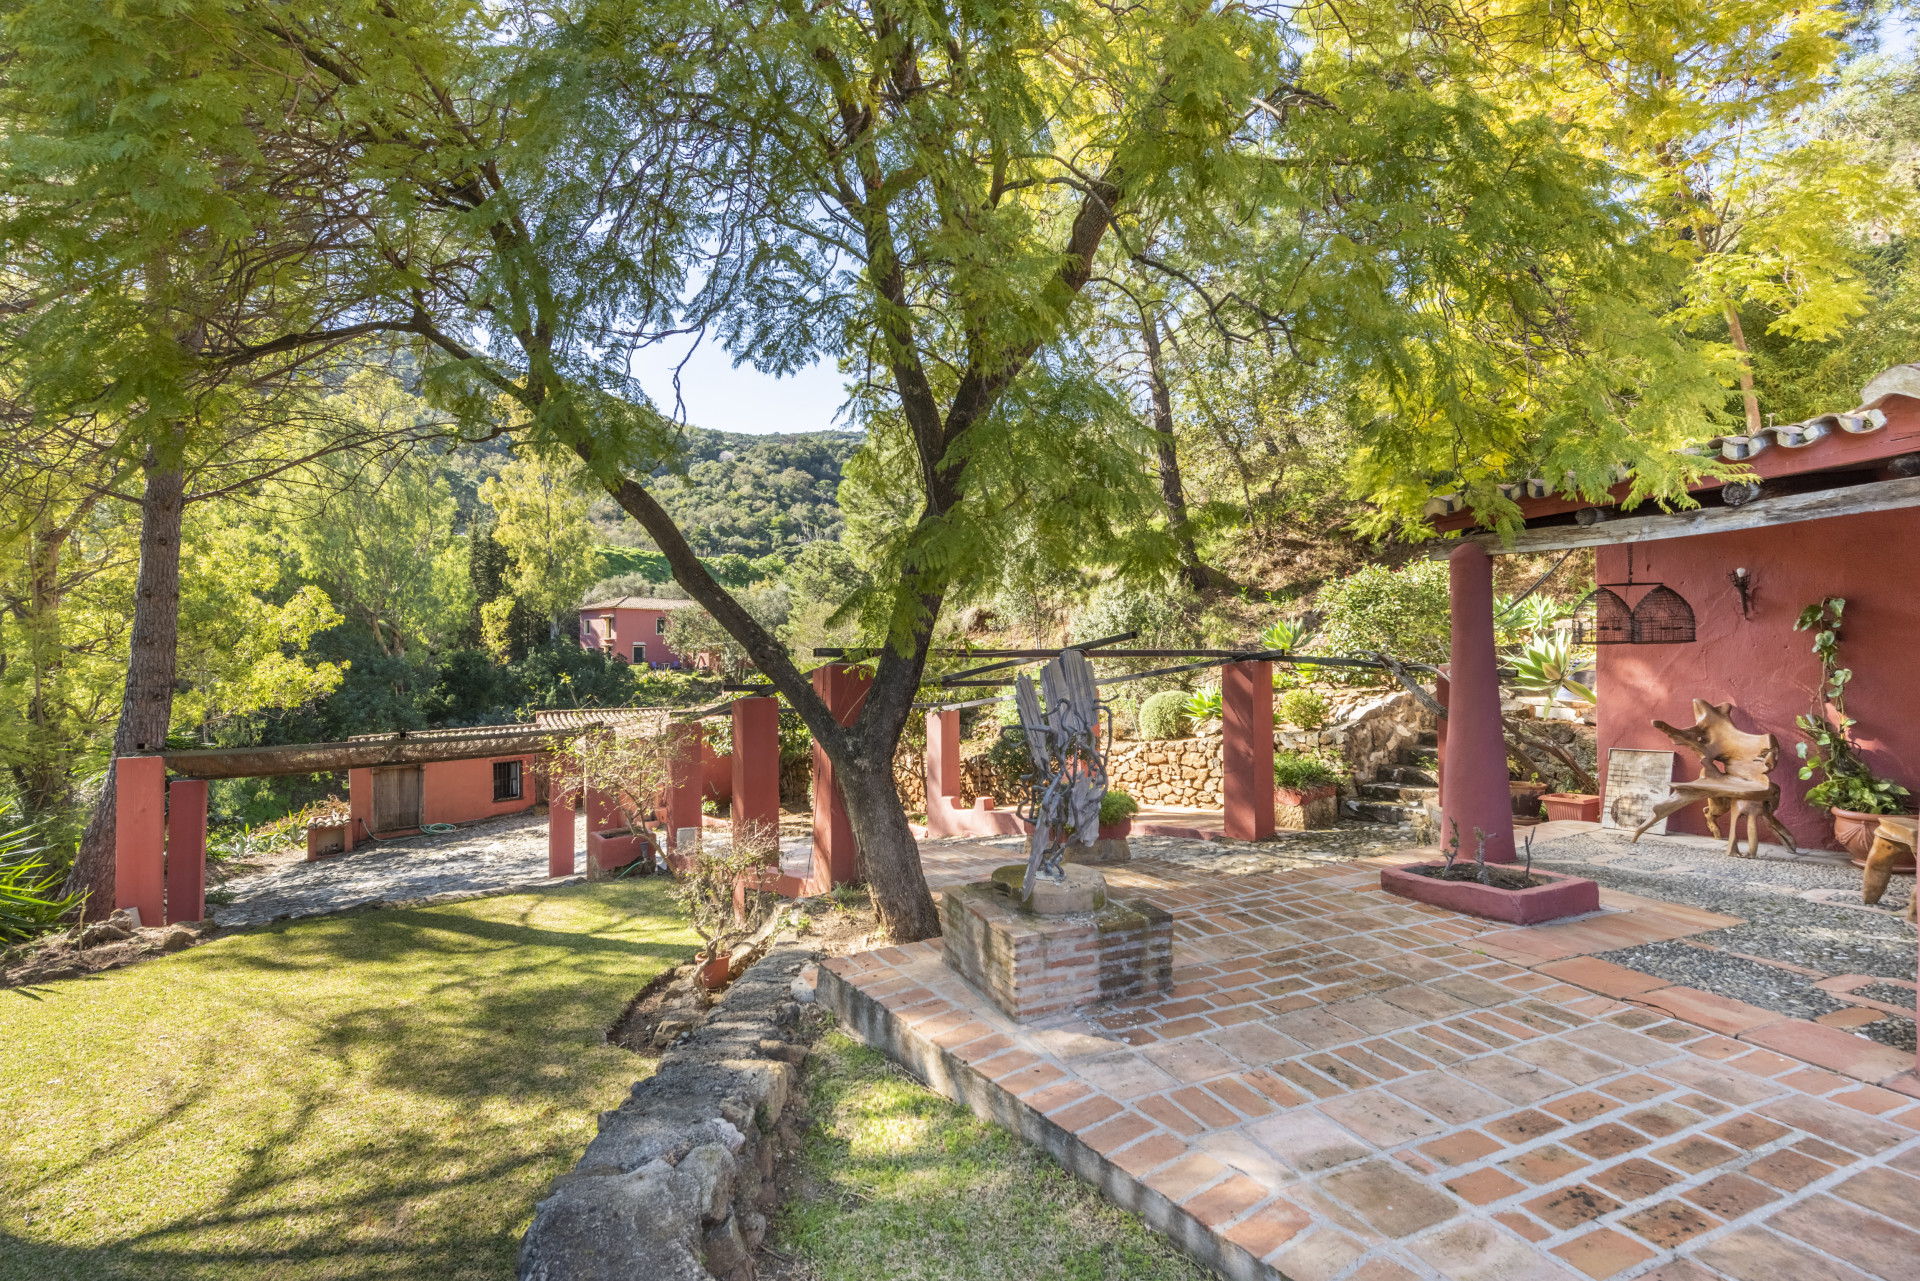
1442	691
943	772
359	805
140	836
685	765
756	764
835	859
559	835
1246	729
1477	794
186	851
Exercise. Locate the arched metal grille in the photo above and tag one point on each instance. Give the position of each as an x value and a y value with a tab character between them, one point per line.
1663	617
1602	619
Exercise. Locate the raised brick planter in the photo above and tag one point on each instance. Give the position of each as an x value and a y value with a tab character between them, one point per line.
1033	966
1561	896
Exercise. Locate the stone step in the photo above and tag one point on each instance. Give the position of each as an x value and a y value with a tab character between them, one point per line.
1422	757
1384	812
1429	739
1408	776
1401	793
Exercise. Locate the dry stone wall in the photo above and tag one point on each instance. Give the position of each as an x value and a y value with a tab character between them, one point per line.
1366	733
1170	771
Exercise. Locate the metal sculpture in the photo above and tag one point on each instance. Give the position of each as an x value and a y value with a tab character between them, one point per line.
1069	776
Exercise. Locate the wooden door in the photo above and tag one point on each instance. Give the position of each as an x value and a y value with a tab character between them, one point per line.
396	798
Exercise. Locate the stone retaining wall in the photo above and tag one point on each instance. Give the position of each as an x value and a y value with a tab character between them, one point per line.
1171	771
678	1183
1368	734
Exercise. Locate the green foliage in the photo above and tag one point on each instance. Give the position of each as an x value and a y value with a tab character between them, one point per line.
1299	771
1828	750
540	507
1519	623
1303	708
752	496
1165	716
30	898
1546	666
1289	634
1116	805
1404	612
1204	705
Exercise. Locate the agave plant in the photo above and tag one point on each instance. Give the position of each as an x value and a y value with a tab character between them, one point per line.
1527	620
1546	666
1204	705
30	901
1288	634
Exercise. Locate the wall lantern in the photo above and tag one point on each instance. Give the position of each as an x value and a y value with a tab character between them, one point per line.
1662	616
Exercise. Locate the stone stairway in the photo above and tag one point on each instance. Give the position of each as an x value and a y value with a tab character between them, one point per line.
1401	792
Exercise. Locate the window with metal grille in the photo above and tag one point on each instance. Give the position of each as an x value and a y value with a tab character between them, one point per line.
660	625
639	651
506	780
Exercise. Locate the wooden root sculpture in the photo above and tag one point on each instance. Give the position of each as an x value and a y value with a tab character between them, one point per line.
1894	836
1733	778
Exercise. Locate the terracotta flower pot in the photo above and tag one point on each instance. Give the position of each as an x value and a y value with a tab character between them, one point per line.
713	969
1116	831
1526	797
1581	807
1305	795
1854	830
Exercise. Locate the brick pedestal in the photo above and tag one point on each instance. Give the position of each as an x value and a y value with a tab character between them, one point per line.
1032	966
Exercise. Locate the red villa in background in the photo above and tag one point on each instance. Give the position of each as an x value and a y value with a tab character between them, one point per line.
633	628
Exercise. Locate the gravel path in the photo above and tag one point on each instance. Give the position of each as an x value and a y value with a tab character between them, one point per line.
490	857
1800	914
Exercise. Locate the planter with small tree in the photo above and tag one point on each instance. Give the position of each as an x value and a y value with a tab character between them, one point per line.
1512	893
712	888
1848	790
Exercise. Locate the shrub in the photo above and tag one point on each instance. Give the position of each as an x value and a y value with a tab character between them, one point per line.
1402	612
1303	707
1116	805
30	898
1299	771
1164	715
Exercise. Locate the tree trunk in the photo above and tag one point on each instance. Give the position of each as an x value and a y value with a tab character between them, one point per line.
889	854
1747	392
1197	575
146	708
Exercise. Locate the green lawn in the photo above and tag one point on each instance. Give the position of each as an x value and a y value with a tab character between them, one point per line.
376	1095
903	1185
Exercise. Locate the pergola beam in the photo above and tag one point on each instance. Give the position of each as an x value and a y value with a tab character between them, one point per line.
326	758
1786	509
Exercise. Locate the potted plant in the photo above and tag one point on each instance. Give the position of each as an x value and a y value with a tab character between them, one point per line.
1579	807
1847	789
707	889
1116	815
1304	788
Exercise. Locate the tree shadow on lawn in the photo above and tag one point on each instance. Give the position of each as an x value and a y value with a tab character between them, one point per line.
377	1094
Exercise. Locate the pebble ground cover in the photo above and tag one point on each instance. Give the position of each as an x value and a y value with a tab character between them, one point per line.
378	1094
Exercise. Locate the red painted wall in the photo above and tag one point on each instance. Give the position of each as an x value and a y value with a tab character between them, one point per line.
462	791
630	627
1765	667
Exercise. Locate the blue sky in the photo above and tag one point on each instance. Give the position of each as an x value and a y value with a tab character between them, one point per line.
721	398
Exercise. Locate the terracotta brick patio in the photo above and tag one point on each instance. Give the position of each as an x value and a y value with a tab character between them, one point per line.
1343	1084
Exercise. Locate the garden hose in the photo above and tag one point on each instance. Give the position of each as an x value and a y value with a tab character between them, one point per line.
436	828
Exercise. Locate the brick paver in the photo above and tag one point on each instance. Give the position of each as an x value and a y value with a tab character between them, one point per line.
1343	1084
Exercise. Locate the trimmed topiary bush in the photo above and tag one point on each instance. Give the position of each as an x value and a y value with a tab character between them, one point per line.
1165	715
1303	707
